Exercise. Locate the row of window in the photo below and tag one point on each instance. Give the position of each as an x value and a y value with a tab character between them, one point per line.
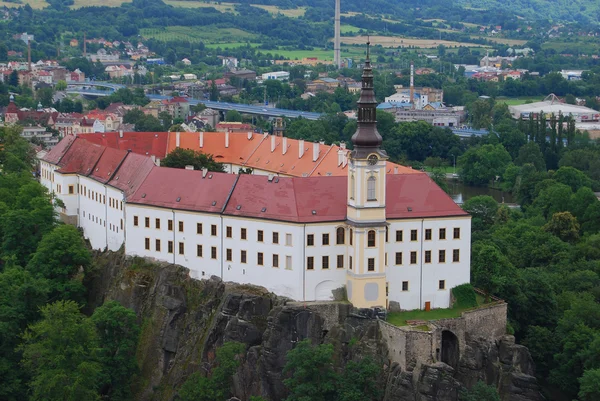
310	260
441	285
48	175
441	257
260	260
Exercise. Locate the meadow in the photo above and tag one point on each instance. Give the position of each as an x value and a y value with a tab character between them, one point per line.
398	41
199	34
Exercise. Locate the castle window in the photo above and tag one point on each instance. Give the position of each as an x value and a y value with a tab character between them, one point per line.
213	252
135	220
413	235
352	186
157	245
275	237
427	256
442	284
413	258
275	260
310	263
147	243
442	233
310	239
199	250
243	256
147	222
170	247
442	256
213	230
181	248
340	261
229	254
325	239
371	264
457	233
325	262
340	236
181	226
259	236
398	235
157	224
259	258
428	234
371	189
198	228
456	255
170	225
229	232
371	239
351	236
405	286
398	258
243	233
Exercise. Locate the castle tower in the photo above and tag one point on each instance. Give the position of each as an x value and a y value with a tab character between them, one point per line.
366	282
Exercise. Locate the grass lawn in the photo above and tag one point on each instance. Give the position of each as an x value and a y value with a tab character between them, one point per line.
518	101
446	169
581	44
400	318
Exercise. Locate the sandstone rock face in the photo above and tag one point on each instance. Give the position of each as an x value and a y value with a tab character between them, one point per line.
184	321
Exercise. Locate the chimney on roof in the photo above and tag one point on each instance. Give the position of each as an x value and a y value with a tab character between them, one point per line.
315	152
273	143
153	158
204	172
249	135
120	133
396	170
341	153
270	177
189	167
157	162
284	147
300	148
201	139
227	138
177	139
342	145
265	135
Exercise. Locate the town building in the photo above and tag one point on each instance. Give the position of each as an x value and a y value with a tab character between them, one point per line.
279	75
385	237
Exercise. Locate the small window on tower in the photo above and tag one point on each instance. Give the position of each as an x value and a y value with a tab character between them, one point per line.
371	189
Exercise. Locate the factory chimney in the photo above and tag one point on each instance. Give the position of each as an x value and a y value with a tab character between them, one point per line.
84	45
337	58
412	84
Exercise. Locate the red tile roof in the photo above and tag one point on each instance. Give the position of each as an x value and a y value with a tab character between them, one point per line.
185	190
144	143
109	162
322	199
132	173
419	193
57	152
81	158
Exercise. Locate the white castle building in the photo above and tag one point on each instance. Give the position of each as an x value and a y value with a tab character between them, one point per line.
384	237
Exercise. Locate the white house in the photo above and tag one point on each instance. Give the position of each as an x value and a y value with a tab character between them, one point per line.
279	75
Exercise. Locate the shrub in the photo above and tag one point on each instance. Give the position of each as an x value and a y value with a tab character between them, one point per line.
464	296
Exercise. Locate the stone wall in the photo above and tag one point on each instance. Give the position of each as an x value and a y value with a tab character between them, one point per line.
409	347
333	313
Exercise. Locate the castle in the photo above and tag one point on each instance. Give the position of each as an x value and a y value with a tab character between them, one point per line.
385	237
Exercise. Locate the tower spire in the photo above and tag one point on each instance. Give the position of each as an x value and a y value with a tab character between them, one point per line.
366	139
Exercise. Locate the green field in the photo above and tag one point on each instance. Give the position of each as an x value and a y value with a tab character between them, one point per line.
199	34
400	318
96	3
219	6
518	101
292	12
580	45
348	29
33	3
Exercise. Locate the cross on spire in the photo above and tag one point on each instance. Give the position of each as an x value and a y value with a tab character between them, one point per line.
368	44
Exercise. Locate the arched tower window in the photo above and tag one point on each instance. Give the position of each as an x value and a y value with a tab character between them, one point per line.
371	181
352	186
371	239
340	235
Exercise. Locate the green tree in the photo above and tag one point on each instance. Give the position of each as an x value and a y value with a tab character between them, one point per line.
488	268
21	296
589	385
531	153
358	382
218	385
312	375
572	177
553	199
480	392
61	85
118	333
483	164
439	177
233	116
179	158
59	257
564	225
483	208
60	352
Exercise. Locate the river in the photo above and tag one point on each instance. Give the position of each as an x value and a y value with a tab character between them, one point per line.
461	192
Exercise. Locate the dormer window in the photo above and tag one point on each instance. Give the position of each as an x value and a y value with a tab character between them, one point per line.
371	181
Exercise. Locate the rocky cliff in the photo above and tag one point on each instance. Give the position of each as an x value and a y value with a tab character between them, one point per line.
183	322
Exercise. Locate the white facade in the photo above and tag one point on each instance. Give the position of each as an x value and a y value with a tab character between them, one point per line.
279	75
